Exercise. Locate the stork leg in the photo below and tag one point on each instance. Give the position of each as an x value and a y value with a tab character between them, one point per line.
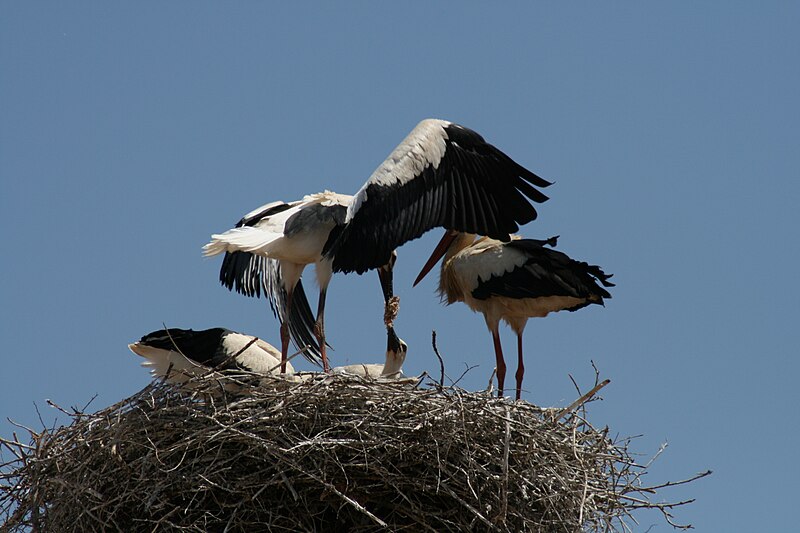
285	330
386	277
391	306
520	366
501	363
319	330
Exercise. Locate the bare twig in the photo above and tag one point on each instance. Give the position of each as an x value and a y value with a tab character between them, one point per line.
583	399
295	354
439	357
490	386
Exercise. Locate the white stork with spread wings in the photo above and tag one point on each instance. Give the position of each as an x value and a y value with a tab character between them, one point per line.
441	175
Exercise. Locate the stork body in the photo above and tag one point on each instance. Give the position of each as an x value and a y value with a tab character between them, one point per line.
513	281
178	355
441	175
293	234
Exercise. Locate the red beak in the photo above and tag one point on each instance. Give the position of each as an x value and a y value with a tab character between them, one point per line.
437	254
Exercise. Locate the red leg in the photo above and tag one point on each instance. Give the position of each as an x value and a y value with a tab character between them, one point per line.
520	366
501	364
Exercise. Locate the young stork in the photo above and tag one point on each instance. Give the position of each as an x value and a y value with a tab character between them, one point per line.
178	355
513	281
392	368
441	175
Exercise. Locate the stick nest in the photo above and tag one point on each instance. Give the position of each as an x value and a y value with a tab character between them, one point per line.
336	453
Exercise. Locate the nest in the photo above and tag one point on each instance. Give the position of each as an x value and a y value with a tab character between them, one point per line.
336	453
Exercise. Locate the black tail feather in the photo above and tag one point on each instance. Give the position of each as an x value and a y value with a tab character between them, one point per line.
249	274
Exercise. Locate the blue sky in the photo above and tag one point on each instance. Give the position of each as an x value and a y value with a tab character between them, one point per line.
130	133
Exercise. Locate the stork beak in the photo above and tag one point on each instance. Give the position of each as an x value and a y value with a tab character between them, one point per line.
392	341
136	348
385	273
437	254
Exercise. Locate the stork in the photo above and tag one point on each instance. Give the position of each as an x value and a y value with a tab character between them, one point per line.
392	368
441	175
178	355
513	281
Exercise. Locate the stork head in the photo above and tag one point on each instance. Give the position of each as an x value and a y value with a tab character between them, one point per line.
396	350
452	242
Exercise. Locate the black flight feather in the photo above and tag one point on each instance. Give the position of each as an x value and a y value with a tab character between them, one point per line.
394	213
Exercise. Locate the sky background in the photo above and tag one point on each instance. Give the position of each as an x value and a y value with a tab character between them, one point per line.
129	133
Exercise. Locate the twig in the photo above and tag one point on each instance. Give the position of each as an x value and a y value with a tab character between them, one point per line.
664	485
490	386
295	354
464	373
441	361
506	453
582	400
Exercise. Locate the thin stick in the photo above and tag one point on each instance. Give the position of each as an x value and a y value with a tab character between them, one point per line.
506	453
441	361
490	386
583	399
295	354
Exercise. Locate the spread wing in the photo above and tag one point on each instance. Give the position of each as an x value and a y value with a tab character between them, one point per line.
441	175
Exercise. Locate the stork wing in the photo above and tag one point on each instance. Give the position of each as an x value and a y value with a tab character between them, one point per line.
546	272
249	274
441	175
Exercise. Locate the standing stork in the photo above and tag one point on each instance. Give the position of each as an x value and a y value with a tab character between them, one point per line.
440	175
513	281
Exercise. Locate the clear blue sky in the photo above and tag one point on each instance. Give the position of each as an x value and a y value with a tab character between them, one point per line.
130	133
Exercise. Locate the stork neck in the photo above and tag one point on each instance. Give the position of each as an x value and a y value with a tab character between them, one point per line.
394	363
449	287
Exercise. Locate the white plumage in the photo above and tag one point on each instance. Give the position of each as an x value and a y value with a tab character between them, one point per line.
425	146
441	174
